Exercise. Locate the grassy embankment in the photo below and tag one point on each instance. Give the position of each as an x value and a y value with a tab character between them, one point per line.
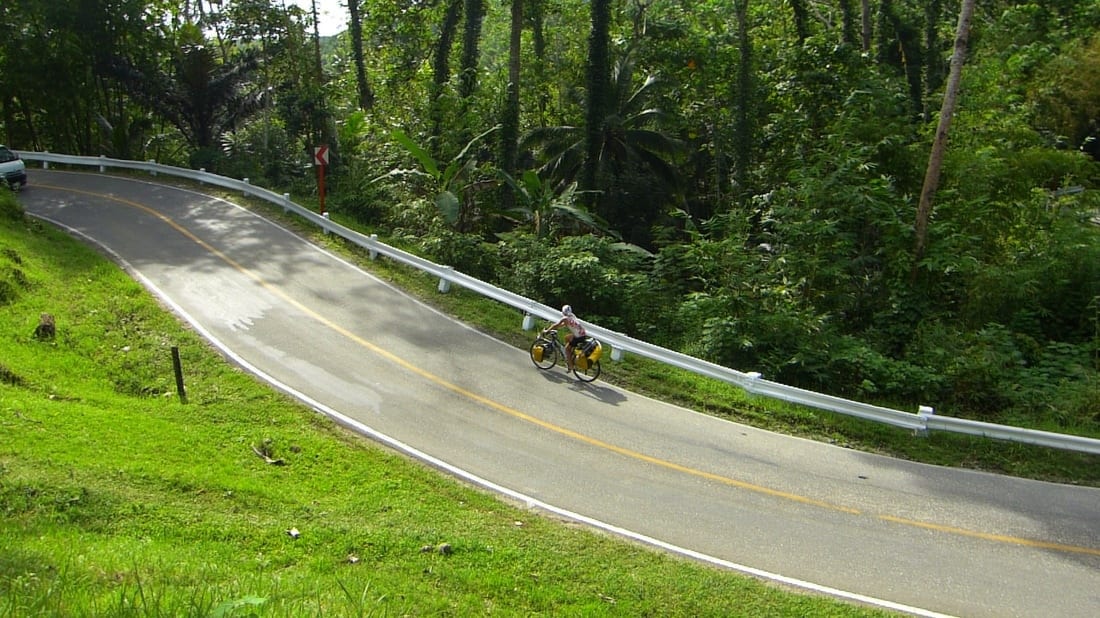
116	499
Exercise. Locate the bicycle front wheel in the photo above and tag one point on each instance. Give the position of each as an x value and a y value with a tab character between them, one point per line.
544	354
589	373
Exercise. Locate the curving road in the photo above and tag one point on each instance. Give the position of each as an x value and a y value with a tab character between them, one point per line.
911	537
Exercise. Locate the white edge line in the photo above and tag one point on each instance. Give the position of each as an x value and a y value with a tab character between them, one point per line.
529	501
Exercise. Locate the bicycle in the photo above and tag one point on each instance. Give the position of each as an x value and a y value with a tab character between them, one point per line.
548	349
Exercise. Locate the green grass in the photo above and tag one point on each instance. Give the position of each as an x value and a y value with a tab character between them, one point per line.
117	499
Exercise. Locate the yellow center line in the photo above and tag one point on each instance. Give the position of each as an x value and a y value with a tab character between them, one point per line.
663	463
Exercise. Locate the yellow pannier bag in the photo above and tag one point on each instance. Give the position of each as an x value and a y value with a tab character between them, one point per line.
595	354
581	361
537	353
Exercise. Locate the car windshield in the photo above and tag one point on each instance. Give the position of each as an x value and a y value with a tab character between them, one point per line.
6	155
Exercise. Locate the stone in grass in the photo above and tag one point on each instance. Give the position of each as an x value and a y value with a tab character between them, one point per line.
46	329
442	548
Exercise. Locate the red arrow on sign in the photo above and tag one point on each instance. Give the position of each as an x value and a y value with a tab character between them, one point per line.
320	155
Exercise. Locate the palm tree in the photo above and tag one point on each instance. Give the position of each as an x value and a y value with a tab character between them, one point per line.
632	158
202	97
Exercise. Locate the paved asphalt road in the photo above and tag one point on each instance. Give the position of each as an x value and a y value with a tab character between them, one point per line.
914	537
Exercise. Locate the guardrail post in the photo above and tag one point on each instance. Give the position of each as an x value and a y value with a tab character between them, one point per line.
528	321
753	376
244	193
102	166
372	251
152	170
46	164
286	203
924	412
202	171
617	354
324	215
445	283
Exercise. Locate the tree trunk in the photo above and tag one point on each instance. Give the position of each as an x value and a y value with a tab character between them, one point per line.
933	67
355	29
317	44
801	20
509	134
441	72
468	72
467	79
939	144
743	129
538	39
598	76
847	23
865	20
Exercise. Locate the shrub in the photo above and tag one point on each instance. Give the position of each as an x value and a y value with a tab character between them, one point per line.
599	276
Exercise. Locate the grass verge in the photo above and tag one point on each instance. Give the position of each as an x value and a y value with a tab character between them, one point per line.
117	499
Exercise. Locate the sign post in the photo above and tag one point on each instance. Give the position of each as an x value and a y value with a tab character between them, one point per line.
320	157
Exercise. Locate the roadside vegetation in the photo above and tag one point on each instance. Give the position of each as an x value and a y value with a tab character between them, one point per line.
746	182
117	499
707	395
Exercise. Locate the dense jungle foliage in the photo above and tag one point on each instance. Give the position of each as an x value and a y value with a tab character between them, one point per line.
735	179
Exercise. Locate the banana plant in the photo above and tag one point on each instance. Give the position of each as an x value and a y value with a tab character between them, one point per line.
449	181
538	203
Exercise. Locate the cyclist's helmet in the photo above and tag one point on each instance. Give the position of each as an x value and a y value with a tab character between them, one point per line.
567	310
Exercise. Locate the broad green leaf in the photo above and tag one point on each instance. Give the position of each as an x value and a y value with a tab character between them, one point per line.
423	156
448	206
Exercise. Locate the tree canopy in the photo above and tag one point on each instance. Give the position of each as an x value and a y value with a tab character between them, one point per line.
740	180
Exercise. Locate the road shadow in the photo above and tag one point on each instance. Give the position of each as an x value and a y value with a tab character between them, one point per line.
594	390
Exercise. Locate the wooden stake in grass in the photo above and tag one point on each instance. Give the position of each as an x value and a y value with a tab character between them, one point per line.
178	368
46	329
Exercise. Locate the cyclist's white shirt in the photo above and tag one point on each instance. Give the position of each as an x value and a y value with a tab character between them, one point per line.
574	326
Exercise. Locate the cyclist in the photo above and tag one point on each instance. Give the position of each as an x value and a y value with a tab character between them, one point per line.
576	333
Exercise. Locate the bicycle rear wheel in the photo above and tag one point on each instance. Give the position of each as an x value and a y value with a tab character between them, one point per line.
544	354
589	373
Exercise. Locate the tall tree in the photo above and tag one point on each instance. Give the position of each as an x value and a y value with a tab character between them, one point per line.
865	21
509	133
847	23
441	72
597	80
939	144
317	42
801	20
743	127
471	50
933	67
900	47
355	29
536	14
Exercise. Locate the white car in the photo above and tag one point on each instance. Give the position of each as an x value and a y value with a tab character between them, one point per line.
12	169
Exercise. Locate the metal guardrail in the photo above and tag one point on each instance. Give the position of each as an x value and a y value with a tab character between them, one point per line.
921	422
